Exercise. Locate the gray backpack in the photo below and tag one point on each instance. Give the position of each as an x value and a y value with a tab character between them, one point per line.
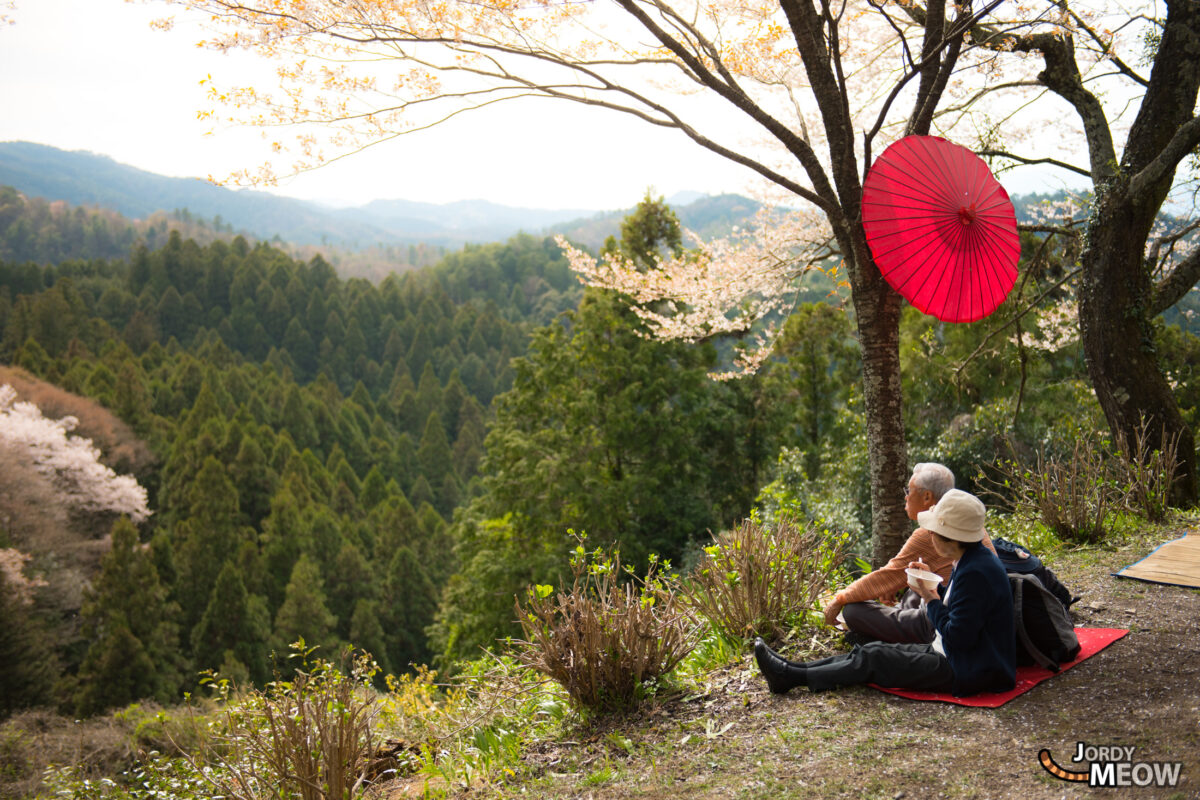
1044	631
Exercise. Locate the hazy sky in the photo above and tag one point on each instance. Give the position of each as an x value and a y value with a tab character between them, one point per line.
92	75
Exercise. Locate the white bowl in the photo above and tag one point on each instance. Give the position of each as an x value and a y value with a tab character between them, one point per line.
917	577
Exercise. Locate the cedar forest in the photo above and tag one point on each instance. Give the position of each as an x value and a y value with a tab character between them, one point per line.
389	464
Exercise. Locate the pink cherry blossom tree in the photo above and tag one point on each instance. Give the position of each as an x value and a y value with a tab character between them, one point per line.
70	462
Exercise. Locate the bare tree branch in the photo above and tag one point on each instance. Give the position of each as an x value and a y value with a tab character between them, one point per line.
959	30
824	196
1175	285
1181	145
1062	76
993	153
1105	47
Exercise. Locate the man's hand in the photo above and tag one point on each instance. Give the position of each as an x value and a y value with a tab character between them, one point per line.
831	613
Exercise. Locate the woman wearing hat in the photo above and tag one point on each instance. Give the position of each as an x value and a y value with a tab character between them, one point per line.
973	648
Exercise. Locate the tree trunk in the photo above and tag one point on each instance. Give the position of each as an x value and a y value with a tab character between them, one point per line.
877	309
1116	298
1116	293
1118	340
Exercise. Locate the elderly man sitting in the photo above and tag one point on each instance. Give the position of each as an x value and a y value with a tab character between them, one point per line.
868	606
974	649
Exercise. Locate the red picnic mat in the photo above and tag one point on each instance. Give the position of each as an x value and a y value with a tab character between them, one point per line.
1091	641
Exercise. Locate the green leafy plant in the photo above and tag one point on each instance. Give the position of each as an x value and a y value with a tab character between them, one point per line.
471	730
761	580
606	638
153	778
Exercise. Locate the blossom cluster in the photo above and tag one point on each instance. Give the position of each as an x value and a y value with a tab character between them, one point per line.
1057	327
1066	211
723	286
70	462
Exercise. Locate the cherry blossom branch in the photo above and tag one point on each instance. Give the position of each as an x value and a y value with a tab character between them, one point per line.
1015	319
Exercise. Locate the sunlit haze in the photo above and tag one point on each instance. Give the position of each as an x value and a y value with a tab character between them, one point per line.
92	75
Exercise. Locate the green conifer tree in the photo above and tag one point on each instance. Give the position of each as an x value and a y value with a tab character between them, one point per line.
429	392
434	452
304	613
255	479
209	535
351	579
410	601
234	622
27	665
116	670
421	493
127	607
374	489
397	526
298	420
366	633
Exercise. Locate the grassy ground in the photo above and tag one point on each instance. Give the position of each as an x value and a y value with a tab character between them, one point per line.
734	739
725	736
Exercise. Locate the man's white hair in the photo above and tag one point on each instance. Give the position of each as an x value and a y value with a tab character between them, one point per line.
934	478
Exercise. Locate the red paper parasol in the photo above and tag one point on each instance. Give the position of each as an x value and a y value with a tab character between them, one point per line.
941	228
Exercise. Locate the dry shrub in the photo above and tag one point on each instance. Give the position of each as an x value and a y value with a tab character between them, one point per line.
309	738
1147	472
605	637
1070	495
32	740
760	580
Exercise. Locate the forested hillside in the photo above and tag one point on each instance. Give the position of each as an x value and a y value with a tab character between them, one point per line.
310	438
87	179
36	230
389	465
80	205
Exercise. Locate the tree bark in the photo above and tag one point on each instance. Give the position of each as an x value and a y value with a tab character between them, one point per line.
877	310
1116	294
876	305
1118	340
1117	299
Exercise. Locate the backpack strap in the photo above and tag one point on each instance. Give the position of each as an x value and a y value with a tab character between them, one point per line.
1018	586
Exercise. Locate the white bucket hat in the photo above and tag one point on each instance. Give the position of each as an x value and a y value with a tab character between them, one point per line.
958	515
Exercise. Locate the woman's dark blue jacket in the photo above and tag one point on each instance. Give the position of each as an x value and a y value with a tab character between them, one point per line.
977	624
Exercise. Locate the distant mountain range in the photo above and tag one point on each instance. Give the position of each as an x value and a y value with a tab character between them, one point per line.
87	179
